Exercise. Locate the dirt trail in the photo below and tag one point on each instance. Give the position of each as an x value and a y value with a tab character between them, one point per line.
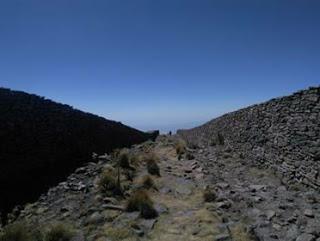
180	190
251	203
187	215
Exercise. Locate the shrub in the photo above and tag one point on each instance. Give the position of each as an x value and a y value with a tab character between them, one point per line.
209	195
59	232
108	184
135	159
16	232
180	147
147	182
123	159
140	201
151	161
153	167
117	234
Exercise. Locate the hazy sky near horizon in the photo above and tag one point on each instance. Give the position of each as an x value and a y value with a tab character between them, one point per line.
163	64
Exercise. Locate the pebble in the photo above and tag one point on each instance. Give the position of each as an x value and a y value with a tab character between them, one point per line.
308	213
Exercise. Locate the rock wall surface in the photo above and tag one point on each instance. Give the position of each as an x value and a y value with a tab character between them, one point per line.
42	141
282	134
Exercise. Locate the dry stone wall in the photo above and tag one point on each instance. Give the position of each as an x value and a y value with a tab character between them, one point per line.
283	134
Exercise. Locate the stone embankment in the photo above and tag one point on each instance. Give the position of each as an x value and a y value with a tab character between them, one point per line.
282	134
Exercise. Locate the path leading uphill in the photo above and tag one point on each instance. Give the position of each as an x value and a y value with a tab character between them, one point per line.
249	203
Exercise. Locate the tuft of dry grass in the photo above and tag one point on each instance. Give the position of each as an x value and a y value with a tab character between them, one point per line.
180	147
240	233
108	183
117	234
152	166
123	159
135	159
59	232
147	182
140	201
22	232
209	195
16	232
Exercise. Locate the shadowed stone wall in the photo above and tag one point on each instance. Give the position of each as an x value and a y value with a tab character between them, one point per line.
283	133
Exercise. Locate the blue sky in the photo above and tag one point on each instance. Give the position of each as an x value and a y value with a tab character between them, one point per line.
162	64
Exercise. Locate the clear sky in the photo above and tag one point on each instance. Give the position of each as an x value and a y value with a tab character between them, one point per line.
159	64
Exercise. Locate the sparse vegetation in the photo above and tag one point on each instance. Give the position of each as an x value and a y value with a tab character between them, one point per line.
151	160
59	232
180	147
49	134
135	159
16	232
239	233
123	159
108	183
117	234
147	182
153	167
209	195
140	201
22	232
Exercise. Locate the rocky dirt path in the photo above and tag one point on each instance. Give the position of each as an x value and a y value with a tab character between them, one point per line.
250	204
181	192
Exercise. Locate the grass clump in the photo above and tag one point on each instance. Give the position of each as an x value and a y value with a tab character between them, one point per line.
117	234
140	201
16	232
124	159
151	160
240	233
153	167
22	232
109	184
135	159
147	182
209	195
180	147
59	232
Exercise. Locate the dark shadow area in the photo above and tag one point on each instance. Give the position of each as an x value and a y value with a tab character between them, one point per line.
42	141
